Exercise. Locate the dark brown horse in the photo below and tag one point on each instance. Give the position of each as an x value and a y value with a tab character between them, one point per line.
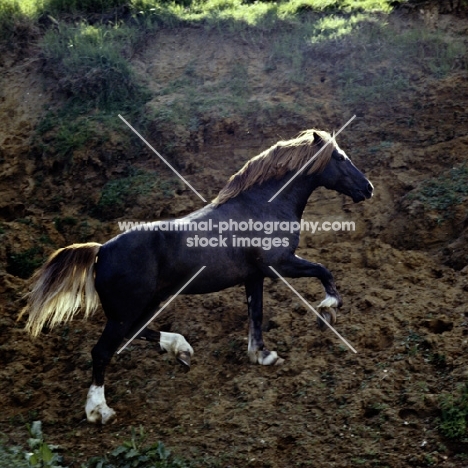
134	272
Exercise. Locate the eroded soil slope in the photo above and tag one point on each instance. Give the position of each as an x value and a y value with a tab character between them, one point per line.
403	276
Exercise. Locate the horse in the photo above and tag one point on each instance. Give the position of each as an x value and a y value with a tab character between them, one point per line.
131	274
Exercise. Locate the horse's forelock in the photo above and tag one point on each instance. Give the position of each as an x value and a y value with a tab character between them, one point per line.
277	161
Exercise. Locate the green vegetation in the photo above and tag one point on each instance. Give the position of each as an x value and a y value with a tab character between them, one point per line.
119	193
87	6
39	454
23	264
444	192
92	57
16	23
453	422
133	454
195	98
89	64
86	53
67	135
12	457
42	455
246	10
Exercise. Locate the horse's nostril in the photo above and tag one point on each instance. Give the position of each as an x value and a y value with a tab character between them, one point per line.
370	187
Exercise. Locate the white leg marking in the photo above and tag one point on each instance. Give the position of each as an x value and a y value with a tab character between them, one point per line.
176	345
263	357
329	301
96	407
269	358
252	348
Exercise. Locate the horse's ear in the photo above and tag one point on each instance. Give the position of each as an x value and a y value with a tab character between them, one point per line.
318	140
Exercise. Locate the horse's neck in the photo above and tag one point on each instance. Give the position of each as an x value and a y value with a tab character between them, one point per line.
299	192
288	200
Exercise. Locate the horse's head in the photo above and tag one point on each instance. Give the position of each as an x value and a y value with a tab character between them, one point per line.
342	175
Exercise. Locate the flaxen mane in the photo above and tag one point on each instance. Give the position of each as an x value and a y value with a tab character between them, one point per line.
275	162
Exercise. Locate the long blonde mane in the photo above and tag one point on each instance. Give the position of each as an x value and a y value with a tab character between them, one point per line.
275	162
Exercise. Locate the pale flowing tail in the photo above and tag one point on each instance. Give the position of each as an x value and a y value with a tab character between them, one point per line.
62	286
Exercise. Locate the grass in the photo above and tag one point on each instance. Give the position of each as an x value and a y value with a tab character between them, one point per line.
89	64
66	135
87	6
194	99
119	193
212	13
91	71
91	67
365	60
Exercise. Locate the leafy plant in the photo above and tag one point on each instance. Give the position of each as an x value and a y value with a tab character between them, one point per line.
453	422
12	457
132	454
42	455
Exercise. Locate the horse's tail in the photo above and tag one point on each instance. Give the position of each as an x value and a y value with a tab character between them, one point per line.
62	286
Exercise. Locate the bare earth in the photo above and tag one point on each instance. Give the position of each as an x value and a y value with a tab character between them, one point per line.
402	274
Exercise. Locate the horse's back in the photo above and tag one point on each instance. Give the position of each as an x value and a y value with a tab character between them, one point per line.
127	266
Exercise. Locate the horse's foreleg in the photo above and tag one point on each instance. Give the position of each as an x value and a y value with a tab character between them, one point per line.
297	267
172	343
256	348
96	407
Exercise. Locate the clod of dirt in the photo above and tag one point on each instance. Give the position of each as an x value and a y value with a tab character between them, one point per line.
438	325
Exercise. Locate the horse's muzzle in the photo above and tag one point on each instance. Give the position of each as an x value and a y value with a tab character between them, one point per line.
363	194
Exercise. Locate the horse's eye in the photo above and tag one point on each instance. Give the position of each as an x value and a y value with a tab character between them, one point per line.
340	157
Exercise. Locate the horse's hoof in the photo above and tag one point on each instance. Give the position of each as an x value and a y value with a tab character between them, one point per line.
326	315
279	362
109	417
184	358
271	358
102	416
266	358
96	408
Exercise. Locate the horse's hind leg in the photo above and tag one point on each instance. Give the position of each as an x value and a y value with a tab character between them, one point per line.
256	348
173	343
96	408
